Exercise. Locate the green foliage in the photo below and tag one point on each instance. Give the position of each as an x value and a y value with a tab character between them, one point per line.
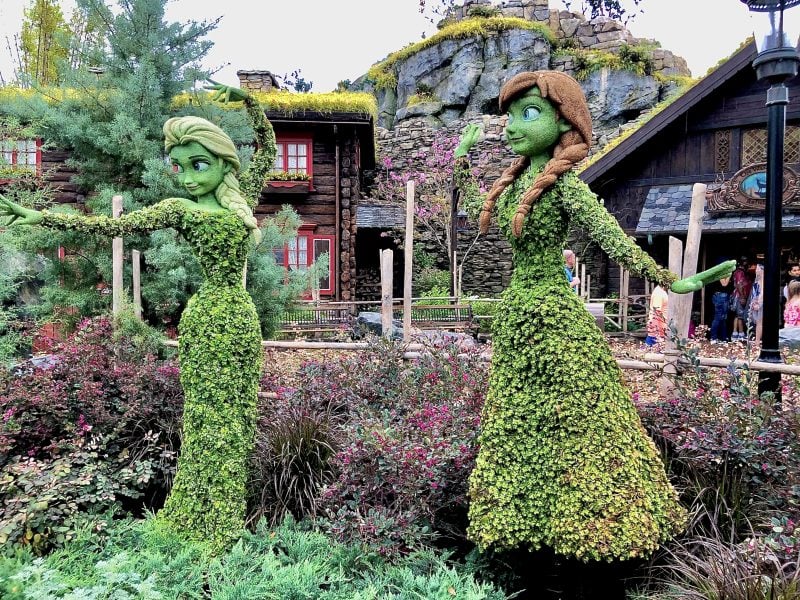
287	176
272	288
431	281
587	482
483	10
383	73
140	560
637	59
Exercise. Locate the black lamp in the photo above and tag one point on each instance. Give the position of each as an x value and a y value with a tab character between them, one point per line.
777	61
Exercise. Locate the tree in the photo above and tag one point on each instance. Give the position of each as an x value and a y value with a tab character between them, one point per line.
44	42
432	171
613	9
112	121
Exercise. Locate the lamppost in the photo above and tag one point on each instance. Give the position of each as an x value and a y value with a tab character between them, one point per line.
777	61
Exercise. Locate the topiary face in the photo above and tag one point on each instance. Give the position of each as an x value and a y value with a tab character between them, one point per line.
199	171
534	125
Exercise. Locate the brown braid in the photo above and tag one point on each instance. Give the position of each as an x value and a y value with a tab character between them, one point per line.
506	179
567	96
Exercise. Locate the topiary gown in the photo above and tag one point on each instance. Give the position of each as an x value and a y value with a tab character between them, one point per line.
220	357
563	459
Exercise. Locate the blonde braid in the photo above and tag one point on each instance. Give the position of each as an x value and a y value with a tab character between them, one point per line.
182	130
230	196
506	179
570	150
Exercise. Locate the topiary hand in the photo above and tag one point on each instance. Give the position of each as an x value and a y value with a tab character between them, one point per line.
14	214
469	137
696	282
225	93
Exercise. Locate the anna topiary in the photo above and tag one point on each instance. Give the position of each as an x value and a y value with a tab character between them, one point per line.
220	341
564	461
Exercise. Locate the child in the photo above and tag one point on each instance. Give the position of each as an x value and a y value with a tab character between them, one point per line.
657	317
791	314
754	303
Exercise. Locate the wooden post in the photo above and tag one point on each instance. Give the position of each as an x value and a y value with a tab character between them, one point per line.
683	302
625	296
387	259
136	267
408	261
584	284
116	261
666	386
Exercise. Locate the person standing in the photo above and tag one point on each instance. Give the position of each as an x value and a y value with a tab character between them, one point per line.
657	316
742	283
755	304
569	270
721	292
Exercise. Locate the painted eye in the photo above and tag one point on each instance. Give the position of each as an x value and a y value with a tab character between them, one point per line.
201	165
510	119
177	168
531	113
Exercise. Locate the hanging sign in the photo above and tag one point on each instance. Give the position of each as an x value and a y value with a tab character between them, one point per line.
746	191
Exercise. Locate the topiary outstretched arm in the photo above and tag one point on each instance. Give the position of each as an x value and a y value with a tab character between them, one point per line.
167	213
585	211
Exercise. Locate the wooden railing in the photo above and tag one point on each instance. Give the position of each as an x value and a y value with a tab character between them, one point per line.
325	319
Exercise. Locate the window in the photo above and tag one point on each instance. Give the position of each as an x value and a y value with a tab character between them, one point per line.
306	249
754	145
20	156
294	154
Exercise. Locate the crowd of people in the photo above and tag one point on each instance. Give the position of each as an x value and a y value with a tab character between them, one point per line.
737	303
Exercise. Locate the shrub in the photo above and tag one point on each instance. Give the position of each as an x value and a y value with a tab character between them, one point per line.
140	560
94	427
407	449
734	452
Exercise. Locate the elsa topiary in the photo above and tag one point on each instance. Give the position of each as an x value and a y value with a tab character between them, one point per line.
220	341
563	459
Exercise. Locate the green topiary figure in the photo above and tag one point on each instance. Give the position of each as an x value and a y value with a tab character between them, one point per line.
220	340
563	459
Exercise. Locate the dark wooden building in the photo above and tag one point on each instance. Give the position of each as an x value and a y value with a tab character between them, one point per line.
715	133
318	172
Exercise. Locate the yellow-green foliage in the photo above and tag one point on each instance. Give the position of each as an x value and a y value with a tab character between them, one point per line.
564	461
638	59
383	73
289	102
419	98
287	176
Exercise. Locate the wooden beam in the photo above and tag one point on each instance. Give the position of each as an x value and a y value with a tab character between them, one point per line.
408	266
387	268
116	261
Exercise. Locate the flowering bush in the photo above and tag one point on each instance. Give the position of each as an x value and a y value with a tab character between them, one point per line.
94	427
736	453
405	433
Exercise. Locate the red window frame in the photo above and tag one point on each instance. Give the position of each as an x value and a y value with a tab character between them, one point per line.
303	250
288	152
12	149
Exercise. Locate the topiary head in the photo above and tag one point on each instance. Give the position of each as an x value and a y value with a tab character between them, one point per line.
185	133
549	122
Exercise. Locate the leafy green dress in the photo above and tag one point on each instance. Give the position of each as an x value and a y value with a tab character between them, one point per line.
220	350
563	459
221	359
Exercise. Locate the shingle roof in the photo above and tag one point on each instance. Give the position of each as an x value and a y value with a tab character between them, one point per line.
381	216
666	210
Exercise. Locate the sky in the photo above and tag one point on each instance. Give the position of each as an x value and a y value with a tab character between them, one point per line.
332	40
